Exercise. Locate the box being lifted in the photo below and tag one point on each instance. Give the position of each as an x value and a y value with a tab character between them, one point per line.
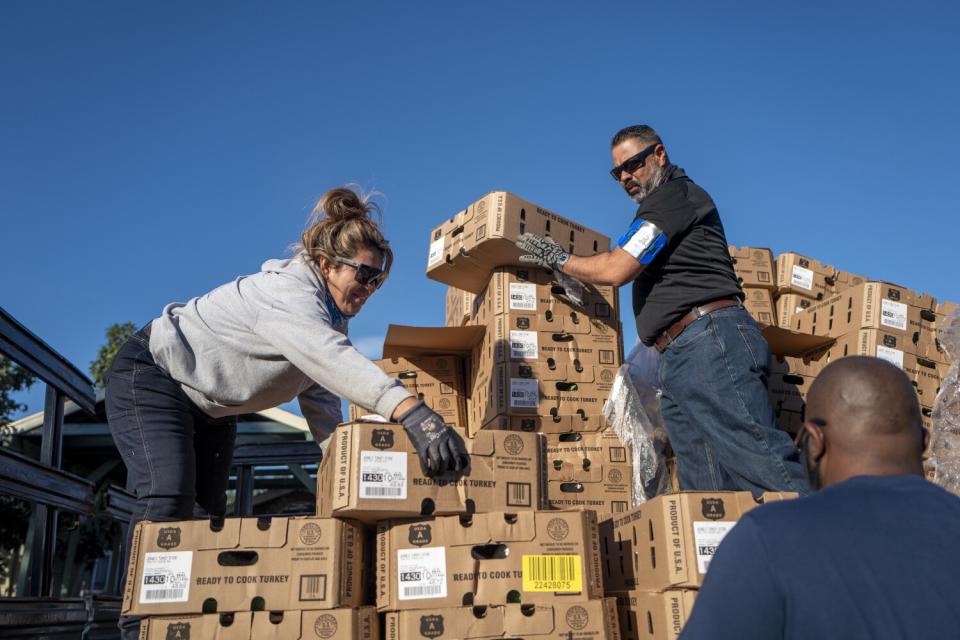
372	472
465	249
361	623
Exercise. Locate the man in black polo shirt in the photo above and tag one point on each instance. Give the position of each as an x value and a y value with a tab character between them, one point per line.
688	304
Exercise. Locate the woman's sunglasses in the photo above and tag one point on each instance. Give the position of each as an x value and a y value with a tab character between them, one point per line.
366	275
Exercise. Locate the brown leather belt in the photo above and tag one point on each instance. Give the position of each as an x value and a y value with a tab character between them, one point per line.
673	331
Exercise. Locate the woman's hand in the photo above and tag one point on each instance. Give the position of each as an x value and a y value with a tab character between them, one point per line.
440	447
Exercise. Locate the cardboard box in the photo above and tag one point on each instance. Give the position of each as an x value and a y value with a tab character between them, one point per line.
533	557
437	380
361	623
372	472
811	278
280	564
789	305
871	305
590	471
668	542
535	301
754	267
646	615
534	391
465	249
594	619
759	304
548	423
458	306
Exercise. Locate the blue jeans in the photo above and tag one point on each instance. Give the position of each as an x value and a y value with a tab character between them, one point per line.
717	413
178	458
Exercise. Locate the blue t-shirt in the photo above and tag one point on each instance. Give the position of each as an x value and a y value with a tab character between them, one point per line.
872	557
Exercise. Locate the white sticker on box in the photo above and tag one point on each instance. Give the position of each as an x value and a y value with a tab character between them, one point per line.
894	356
436	252
383	475
524	393
166	577
893	314
707	536
523	297
523	345
422	573
802	278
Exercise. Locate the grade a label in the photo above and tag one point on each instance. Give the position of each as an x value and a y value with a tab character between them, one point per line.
436	252
893	314
523	345
523	297
894	356
422	573
707	536
802	278
383	475
524	393
166	577
556	574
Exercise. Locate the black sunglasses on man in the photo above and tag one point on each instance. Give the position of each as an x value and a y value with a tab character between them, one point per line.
632	163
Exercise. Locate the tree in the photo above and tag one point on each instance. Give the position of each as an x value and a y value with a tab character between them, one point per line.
12	380
14	513
117	334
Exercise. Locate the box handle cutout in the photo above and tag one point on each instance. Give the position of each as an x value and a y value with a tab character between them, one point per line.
489	551
563	337
571	436
209	606
928	315
571	487
226	619
263	523
406	375
457	231
237	558
567	386
276	617
258	604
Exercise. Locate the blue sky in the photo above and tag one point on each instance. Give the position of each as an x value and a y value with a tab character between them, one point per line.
152	151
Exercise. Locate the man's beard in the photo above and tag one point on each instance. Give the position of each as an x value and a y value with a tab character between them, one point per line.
645	187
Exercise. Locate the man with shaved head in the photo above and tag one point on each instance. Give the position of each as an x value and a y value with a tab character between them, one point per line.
872	554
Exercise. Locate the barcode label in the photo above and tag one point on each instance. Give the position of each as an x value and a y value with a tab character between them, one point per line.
618	454
558	574
802	278
707	536
166	577
426	591
523	297
523	345
383	474
170	595
436	252
524	393
518	494
893	314
313	587
422	573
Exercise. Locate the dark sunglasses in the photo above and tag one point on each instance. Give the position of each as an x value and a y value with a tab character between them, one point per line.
366	275
632	163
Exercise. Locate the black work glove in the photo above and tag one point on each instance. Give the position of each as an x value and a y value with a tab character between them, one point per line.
542	251
440	447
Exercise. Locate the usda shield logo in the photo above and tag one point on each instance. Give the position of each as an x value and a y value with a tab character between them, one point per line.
178	631
431	626
168	538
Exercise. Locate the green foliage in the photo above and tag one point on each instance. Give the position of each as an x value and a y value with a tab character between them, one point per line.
12	380
117	334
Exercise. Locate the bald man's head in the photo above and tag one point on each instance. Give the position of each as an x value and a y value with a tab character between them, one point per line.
866	416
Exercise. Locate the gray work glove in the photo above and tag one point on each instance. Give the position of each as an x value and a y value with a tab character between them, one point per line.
440	448
542	251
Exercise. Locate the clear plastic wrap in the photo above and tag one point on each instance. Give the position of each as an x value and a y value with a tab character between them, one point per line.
633	412
944	449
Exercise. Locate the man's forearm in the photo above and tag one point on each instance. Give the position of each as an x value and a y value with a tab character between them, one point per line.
598	269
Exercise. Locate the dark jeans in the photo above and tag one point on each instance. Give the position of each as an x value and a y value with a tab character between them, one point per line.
178	458
717	412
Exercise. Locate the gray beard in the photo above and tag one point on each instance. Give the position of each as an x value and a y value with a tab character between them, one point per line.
646	187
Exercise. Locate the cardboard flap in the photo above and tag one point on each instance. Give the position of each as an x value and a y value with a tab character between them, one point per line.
201	536
572	469
278	624
784	342
528	620
482	622
482	444
511	527
409	342
263	533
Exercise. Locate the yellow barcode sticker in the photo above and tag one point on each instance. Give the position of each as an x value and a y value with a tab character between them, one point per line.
560	574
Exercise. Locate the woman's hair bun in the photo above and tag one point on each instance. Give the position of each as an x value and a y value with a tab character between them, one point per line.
343	203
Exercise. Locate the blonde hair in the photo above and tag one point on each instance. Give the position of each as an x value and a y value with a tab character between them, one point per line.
341	225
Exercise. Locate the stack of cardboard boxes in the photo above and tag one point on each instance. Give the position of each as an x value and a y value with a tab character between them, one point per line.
859	316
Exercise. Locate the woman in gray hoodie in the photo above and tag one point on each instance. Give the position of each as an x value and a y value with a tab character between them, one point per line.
175	388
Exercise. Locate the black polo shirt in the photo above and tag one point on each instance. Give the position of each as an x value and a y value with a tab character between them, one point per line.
693	268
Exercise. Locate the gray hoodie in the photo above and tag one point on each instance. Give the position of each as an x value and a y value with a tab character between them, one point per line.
265	339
